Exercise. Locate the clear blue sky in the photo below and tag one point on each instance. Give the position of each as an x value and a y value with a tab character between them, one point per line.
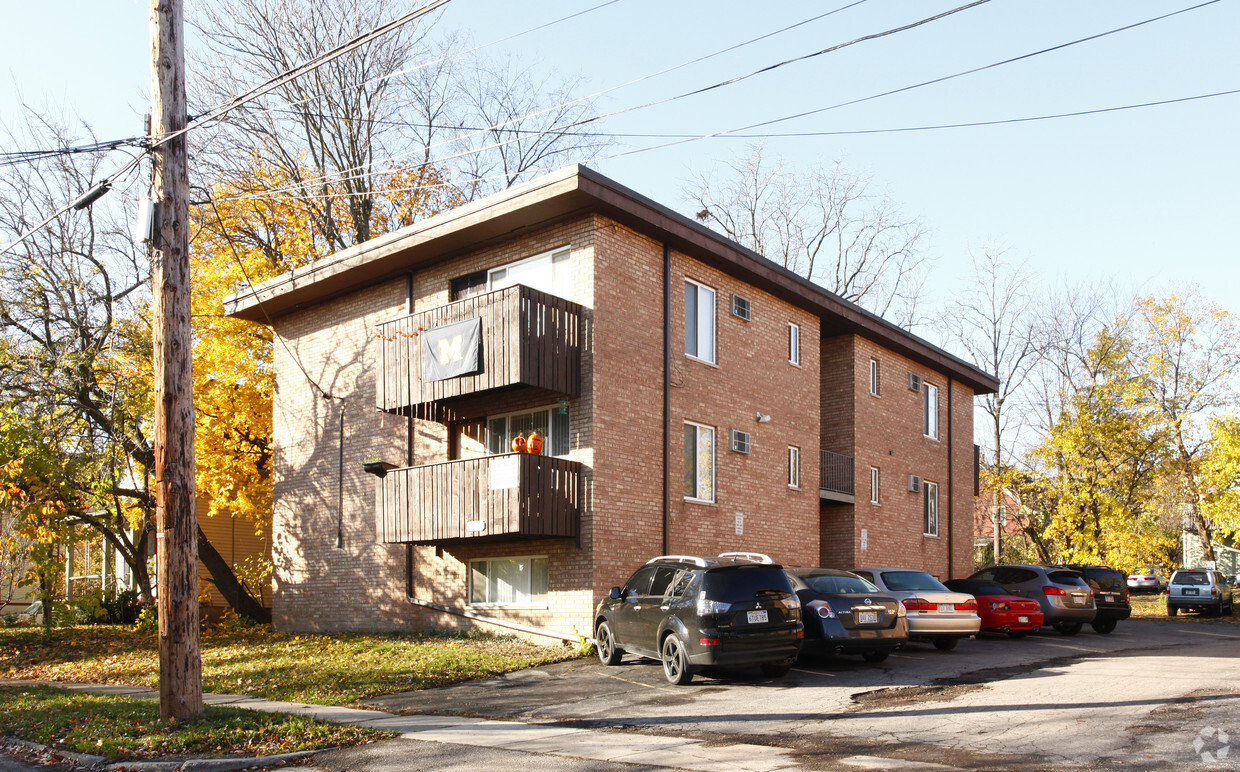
1148	197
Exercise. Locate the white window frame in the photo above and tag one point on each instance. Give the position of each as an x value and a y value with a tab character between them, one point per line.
874	485
794	467
561	284
548	442
874	378
794	344
930	410
930	509
699	340
529	600
697	465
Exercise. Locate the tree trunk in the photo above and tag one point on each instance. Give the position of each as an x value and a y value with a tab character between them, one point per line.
226	582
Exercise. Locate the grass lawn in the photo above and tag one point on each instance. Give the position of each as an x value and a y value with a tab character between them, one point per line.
125	729
1155	606
322	669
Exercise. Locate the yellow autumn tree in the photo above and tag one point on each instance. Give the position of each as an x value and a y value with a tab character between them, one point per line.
251	230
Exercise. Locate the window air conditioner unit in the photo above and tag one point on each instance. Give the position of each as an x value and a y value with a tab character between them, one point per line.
740	441
741	308
914	484
914	382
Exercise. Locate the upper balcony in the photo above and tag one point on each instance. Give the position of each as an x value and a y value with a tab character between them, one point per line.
524	338
836	472
492	498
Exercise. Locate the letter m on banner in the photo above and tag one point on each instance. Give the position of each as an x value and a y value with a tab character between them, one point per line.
452	350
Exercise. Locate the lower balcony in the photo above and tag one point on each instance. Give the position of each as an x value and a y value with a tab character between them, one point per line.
836	473
493	498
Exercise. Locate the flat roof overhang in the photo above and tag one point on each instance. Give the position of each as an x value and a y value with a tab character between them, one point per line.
571	192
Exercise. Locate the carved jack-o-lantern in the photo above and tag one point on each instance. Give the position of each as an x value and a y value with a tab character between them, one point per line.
518	444
534	444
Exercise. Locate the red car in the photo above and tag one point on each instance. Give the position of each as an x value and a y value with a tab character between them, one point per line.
1001	611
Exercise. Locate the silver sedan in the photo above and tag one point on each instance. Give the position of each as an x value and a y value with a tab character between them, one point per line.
935	613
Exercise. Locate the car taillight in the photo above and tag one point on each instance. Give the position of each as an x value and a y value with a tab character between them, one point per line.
708	641
901	611
968	605
999	605
1050	590
706	606
920	604
822	609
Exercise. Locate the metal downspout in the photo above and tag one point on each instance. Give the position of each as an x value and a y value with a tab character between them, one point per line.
667	383
951	474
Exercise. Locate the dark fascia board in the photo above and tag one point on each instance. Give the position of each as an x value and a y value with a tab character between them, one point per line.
570	192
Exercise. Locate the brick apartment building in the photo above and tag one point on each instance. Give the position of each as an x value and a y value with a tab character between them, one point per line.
694	397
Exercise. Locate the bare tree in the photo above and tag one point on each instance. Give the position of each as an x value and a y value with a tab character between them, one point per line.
823	223
342	133
994	321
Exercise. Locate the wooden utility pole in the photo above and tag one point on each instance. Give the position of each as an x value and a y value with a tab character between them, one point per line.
180	660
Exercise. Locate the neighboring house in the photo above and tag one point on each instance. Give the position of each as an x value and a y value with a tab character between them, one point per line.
694	396
1011	513
1226	558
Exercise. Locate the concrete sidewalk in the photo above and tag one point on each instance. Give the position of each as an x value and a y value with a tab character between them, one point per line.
547	738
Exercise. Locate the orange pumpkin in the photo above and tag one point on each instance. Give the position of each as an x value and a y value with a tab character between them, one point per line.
534	444
518	444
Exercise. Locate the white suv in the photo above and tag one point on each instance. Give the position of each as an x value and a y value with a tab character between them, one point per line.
1198	589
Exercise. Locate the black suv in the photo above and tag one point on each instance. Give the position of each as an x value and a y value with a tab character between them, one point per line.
691	612
1110	595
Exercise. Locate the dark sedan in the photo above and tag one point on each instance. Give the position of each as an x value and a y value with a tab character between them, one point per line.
845	614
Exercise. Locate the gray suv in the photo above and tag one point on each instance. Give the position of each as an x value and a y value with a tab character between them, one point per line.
1067	601
1198	589
692	612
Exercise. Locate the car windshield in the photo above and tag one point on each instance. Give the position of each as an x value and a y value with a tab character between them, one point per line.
1107	580
1071	578
898	581
741	583
1191	577
838	585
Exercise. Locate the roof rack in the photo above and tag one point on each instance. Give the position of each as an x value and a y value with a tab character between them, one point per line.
680	558
753	557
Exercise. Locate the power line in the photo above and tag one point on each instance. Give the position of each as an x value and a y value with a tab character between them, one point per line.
27	156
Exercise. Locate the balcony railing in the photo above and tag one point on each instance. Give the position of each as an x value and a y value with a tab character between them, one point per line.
836	473
527	338
492	498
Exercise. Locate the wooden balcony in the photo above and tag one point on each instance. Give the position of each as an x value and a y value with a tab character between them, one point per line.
492	498
836	473
527	338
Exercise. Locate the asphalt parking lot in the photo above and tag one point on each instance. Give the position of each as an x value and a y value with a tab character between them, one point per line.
1155	694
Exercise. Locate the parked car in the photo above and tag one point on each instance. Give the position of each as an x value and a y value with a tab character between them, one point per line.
1110	595
1198	589
1066	600
694	612
935	613
1000	610
1146	580
845	614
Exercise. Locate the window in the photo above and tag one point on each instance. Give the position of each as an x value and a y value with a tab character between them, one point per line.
550	272
508	581
931	518
700	322
699	463
794	467
873	485
550	422
794	344
874	377
930	401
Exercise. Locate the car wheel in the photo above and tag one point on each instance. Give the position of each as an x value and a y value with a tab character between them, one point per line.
1172	610
608	652
675	661
945	644
1104	627
772	670
875	656
1018	634
1068	628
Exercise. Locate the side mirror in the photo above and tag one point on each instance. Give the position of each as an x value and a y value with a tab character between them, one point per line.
614	594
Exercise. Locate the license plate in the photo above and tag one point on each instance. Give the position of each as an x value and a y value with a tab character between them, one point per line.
1023	620
947	608
756	617
867	617
1109	596
1078	599
1190	591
